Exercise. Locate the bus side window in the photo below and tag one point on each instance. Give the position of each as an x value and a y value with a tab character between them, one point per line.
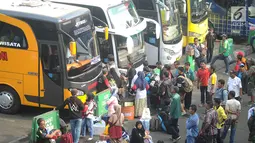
145	5
50	62
12	36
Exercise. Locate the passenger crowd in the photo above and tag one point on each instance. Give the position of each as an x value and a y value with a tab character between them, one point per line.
170	93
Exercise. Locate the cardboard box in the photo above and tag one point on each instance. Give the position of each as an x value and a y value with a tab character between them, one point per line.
127	104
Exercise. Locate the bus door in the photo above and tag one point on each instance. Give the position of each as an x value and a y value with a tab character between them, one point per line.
51	74
148	9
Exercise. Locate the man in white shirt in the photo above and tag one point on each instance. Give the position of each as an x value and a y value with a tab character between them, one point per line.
235	84
233	109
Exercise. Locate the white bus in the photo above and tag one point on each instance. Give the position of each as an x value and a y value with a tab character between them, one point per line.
169	47
126	40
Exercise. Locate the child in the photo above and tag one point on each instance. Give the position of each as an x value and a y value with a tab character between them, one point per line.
240	60
88	115
242	74
44	136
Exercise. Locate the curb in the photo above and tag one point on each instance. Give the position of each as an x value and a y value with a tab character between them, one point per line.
18	140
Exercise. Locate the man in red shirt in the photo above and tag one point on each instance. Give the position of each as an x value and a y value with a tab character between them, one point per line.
203	74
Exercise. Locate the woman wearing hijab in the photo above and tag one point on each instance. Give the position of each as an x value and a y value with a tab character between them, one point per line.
141	86
138	134
116	120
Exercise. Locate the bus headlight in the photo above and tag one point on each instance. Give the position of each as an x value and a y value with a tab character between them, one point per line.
194	34
171	52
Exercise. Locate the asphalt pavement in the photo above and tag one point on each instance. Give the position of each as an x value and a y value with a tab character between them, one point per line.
17	127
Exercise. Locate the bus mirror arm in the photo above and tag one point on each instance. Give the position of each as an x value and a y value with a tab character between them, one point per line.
157	26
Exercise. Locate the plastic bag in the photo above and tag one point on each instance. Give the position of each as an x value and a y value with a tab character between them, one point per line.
146	114
106	130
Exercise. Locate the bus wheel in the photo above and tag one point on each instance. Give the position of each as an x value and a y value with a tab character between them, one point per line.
9	100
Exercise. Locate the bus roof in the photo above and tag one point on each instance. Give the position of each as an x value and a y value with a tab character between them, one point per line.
104	4
38	10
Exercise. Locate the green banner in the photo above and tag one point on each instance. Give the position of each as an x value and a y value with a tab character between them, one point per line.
51	120
190	59
251	35
101	99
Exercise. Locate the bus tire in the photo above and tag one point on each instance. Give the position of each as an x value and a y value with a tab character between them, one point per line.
9	100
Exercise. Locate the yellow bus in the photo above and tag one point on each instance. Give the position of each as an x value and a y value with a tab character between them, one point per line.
194	20
45	50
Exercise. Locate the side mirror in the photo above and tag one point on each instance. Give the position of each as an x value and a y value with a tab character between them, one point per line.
72	48
167	15
130	45
157	31
106	33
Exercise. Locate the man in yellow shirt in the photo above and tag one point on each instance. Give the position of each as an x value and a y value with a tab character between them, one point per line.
221	118
211	84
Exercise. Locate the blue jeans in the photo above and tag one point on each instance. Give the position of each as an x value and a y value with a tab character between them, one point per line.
222	57
190	139
232	133
87	122
76	129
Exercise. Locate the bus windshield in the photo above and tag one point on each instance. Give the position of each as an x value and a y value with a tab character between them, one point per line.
124	16
82	31
198	10
171	28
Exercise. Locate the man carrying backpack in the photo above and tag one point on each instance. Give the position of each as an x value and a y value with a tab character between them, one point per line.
221	93
198	52
180	83
165	88
185	89
190	75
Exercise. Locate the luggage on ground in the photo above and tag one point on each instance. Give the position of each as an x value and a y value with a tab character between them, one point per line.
66	138
155	124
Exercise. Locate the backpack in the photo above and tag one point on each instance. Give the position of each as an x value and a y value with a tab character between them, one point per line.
66	138
155	124
222	94
186	84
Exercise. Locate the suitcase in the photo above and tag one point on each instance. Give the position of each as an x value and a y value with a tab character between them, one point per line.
155	124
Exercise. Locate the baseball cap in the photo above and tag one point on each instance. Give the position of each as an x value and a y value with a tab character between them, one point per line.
224	35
